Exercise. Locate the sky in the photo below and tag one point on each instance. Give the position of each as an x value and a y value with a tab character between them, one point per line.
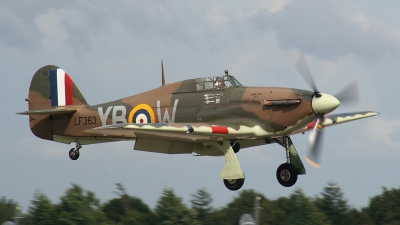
113	49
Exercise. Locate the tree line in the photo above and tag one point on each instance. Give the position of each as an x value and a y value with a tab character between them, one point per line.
79	206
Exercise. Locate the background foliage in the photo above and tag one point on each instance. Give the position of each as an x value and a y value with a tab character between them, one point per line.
79	206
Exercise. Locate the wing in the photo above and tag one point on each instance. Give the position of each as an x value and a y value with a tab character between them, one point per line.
178	138
346	117
197	132
334	119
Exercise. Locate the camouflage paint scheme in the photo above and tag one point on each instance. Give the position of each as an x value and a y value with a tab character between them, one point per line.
190	116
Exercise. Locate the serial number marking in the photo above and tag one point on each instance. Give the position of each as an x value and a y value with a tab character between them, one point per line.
85	120
255	95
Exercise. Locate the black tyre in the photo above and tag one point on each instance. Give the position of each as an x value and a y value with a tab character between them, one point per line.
74	155
286	175
234	185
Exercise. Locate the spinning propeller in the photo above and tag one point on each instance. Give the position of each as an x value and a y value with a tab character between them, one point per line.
322	104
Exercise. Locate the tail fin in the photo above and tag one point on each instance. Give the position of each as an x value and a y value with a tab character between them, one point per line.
52	92
51	87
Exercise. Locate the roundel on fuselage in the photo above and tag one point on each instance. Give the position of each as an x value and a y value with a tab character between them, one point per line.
142	113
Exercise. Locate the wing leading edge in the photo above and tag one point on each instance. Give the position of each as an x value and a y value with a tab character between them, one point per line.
179	131
199	132
178	138
339	118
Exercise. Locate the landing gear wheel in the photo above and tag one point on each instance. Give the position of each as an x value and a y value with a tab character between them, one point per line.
234	184
286	175
74	154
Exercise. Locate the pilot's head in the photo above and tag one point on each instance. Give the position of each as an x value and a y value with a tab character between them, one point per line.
218	82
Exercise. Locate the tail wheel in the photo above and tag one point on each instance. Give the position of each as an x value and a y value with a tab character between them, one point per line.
74	153
286	175
234	184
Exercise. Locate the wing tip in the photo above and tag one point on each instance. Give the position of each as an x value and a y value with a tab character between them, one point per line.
375	113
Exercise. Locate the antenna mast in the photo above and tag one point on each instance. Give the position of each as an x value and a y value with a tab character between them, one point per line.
162	73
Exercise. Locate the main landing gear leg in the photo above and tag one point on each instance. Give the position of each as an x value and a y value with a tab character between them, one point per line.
286	173
74	152
232	172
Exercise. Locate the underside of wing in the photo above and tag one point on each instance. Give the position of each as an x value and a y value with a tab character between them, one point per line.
196	132
176	138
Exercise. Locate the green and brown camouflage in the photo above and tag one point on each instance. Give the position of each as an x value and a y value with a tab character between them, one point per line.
207	116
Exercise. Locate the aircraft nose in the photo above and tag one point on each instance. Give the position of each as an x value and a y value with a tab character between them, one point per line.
324	104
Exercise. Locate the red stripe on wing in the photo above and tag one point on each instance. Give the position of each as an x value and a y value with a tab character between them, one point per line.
311	125
219	130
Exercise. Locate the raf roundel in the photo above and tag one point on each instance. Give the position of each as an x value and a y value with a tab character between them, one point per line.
142	113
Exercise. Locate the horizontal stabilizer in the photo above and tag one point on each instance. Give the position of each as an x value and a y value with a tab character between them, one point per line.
54	111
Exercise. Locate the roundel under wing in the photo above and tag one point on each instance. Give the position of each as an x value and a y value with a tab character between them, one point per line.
142	113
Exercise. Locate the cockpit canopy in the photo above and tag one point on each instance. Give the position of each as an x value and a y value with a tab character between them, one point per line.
216	83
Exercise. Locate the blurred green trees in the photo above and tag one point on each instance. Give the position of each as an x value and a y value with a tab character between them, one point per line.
127	209
7	209
42	210
330	207
201	203
170	210
333	204
384	209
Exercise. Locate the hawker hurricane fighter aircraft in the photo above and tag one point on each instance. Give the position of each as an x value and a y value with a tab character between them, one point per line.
205	116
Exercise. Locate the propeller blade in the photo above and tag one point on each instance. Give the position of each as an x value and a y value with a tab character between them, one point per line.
301	65
315	142
348	94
